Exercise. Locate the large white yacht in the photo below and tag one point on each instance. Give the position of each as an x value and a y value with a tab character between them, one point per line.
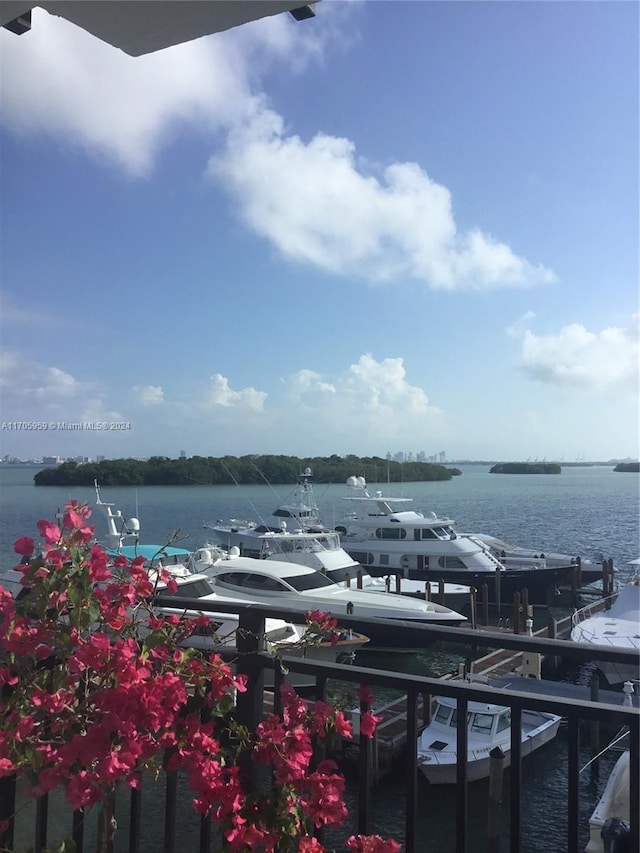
301	588
385	534
295	534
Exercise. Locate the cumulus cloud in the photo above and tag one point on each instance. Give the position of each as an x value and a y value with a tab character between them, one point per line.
318	204
23	379
370	397
316	201
148	395
577	357
220	393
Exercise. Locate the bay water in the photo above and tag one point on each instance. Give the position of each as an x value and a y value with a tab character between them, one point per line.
590	511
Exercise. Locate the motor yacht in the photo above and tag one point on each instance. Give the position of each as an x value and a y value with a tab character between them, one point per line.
385	534
301	588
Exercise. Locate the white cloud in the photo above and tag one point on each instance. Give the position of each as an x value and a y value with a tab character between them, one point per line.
577	357
148	395
25	380
371	400
315	201
318	204
220	393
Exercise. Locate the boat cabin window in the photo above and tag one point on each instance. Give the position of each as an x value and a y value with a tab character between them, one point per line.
424	533
313	580
194	589
451	563
482	723
504	720
391	533
362	557
252	581
442	714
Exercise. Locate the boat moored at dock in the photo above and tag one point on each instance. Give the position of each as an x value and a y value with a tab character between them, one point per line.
384	534
488	726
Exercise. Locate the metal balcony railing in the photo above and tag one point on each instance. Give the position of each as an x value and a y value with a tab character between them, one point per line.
252	661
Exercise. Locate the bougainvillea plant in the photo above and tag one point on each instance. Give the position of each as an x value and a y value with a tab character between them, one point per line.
97	688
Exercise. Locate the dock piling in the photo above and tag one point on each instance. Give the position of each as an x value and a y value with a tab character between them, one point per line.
516	613
485	603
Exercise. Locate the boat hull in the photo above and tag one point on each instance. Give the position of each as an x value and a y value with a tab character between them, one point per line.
440	768
540	583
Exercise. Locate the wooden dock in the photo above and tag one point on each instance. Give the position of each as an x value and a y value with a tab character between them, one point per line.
390	738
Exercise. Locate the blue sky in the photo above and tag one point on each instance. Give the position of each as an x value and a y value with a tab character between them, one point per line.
396	226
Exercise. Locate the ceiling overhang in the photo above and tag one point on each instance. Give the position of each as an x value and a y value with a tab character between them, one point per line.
138	27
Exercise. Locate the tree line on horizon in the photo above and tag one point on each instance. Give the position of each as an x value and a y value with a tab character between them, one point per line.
244	470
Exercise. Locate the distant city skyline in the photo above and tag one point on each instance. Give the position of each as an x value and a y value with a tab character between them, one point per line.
394	225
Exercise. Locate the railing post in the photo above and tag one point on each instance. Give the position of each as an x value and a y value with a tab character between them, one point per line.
485	604
427	591
461	776
516	779
441	591
364	775
7	810
171	795
359	579
494	823
250	703
573	815
412	774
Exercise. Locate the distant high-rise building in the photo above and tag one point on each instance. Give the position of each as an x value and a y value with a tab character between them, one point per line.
183	454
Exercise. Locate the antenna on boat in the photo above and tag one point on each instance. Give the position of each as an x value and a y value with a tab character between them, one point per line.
248	499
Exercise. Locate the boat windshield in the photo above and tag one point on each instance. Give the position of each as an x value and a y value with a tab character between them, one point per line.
482	723
313	580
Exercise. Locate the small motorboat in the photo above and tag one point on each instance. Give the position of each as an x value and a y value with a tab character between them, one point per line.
488	726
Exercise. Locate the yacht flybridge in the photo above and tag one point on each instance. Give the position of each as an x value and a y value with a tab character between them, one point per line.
384	534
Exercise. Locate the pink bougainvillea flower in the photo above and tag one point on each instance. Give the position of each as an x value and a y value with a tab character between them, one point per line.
49	531
365	694
24	546
368	723
372	844
308	844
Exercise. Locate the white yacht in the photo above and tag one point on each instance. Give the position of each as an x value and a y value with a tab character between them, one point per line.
385	533
488	726
295	534
301	588
617	626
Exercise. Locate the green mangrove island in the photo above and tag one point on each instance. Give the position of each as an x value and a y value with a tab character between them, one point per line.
244	470
526	468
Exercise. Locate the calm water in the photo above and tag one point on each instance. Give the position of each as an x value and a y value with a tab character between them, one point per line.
591	512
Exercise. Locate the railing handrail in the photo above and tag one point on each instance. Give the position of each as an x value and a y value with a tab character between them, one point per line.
425	632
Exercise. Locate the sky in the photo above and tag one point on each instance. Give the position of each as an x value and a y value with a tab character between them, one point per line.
397	226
